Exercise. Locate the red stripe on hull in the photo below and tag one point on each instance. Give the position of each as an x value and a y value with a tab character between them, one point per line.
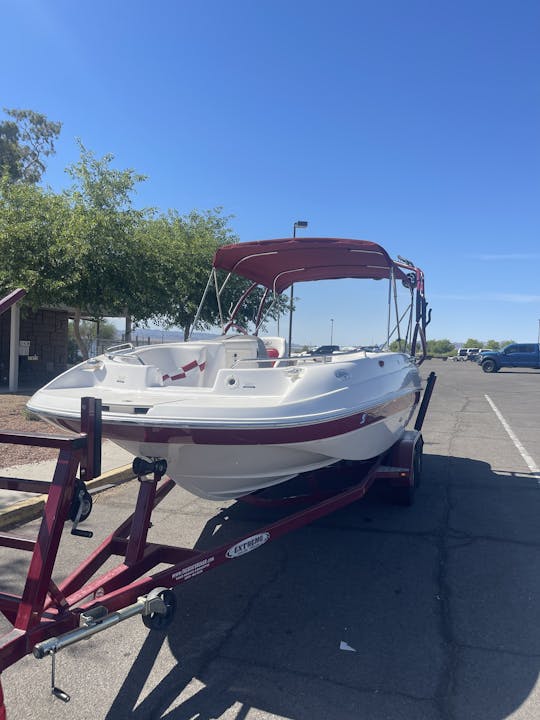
251	436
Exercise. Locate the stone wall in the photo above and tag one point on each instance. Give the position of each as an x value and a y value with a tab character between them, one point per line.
47	332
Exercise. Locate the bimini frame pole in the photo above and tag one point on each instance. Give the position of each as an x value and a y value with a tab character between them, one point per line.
390	284
199	309
396	310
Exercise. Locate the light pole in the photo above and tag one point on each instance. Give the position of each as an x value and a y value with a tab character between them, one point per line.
297	224
331	331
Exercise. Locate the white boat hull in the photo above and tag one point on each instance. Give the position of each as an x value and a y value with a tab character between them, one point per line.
247	427
219	472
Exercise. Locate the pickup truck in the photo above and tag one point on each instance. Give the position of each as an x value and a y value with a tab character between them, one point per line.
524	355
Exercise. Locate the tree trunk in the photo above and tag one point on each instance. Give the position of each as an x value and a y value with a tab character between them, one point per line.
127	334
83	347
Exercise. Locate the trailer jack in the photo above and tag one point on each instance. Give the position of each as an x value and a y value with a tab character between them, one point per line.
157	610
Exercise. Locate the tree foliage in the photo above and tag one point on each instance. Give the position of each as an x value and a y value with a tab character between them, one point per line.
433	347
37	249
94	334
440	347
103	224
25	140
179	250
88	248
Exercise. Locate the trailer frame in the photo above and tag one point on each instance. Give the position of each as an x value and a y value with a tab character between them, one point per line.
48	616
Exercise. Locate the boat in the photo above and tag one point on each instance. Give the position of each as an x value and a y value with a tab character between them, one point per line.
237	413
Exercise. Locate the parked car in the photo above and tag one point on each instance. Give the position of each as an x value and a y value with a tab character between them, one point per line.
325	350
482	352
466	354
525	355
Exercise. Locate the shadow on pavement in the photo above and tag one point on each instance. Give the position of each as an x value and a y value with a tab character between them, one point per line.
439	603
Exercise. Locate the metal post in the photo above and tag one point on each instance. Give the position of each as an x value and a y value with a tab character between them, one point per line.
91	426
425	401
14	348
297	224
390	278
290	318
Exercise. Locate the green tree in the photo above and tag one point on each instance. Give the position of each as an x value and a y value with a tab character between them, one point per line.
440	347
25	140
94	333
504	343
76	248
434	347
112	271
472	343
90	249
180	249
492	345
35	246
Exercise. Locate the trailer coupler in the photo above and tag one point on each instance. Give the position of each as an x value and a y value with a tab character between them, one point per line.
157	609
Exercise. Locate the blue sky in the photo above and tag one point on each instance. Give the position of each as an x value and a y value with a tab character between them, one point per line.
411	123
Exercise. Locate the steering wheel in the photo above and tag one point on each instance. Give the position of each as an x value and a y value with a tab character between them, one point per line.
231	325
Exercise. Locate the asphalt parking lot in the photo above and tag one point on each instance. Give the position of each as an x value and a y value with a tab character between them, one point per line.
439	603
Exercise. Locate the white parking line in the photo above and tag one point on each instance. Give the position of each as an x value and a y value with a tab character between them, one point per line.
533	467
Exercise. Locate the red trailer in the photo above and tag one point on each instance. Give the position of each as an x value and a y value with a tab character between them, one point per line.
48	616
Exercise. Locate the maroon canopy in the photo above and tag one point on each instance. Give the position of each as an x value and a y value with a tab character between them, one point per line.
277	264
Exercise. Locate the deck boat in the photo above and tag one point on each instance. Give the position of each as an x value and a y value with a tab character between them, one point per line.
237	413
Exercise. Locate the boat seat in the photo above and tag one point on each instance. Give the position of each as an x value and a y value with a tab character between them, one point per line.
276	347
244	349
179	365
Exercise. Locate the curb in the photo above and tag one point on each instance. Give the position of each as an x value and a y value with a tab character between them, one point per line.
30	509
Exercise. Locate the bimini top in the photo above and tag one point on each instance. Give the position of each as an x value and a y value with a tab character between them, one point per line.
277	264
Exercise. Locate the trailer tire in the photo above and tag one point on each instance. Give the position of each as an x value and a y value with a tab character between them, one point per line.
404	495
157	621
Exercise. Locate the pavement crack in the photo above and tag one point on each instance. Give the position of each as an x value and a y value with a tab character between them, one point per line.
329	681
498	651
216	650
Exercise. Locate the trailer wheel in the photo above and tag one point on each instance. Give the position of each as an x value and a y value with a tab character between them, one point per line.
159	621
404	495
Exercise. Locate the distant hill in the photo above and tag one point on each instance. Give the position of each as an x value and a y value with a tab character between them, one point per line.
155	335
142	336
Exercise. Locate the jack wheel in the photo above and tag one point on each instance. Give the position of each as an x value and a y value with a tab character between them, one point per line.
159	621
